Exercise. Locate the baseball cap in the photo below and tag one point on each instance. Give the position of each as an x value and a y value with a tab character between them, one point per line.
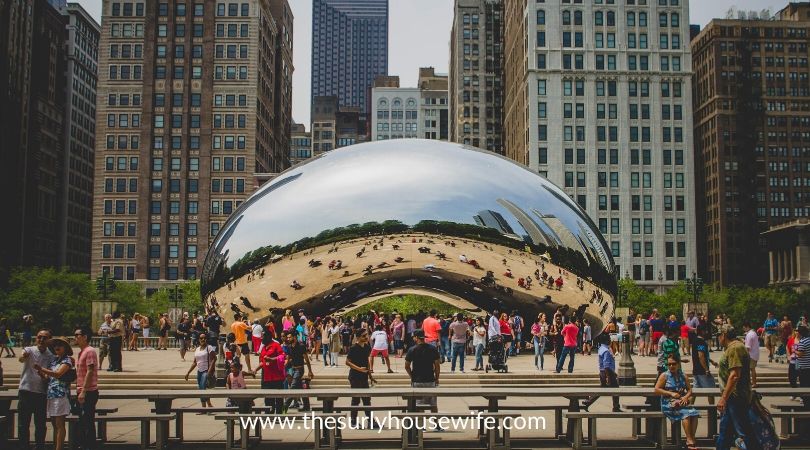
419	334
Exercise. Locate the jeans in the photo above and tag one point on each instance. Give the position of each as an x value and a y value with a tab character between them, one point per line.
479	356
802	424
87	421
539	346
605	380
326	354
445	350
515	349
359	382
202	380
570	351
277	402
458	352
733	423
115	352
297	375
31	404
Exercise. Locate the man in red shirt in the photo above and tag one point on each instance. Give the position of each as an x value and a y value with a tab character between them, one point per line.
86	388
432	329
271	362
569	333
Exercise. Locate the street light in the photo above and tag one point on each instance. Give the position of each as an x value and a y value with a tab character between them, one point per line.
105	285
694	286
661	282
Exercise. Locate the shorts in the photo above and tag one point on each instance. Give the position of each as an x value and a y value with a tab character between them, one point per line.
656	336
375	352
244	348
704	381
398	344
771	340
506	338
425	401
146	332
57	407
753	363
104	349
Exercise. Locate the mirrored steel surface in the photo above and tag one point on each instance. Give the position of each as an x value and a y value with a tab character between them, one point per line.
369	219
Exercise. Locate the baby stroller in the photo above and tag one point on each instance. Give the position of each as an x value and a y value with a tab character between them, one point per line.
780	355
497	356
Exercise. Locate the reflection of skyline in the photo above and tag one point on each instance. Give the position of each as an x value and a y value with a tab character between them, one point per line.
535	234
493	219
594	247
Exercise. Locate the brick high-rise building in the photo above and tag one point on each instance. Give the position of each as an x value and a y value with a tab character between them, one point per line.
349	49
334	126
192	103
598	99
752	138
476	86
300	144
76	203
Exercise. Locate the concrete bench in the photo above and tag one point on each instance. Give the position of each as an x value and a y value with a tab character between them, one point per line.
414	439
787	424
325	438
180	412
558	410
709	411
101	433
579	441
145	421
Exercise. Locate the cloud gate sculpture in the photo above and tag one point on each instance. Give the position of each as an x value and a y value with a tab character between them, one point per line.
374	219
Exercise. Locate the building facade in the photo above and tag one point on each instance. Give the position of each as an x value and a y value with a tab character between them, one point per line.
420	112
788	246
476	79
188	114
334	126
300	144
349	49
76	203
598	99
752	137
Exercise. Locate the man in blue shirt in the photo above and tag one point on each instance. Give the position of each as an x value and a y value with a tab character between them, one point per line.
607	372
771	326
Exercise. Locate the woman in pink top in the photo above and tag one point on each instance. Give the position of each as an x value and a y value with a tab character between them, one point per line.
287	322
235	380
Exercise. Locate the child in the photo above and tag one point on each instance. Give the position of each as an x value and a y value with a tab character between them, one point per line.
236	380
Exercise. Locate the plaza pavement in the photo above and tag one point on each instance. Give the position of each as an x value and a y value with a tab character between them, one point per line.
150	370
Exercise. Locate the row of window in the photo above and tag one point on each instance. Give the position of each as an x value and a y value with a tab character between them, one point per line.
634	88
126	51
127	9
123	120
228	185
197	30
611	134
671	226
669	249
172	273
173	251
125	72
123	142
192	185
161	51
601	18
120	185
611	111
175	164
156	208
611	156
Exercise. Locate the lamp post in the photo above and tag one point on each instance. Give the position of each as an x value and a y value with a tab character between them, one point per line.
660	283
694	286
627	369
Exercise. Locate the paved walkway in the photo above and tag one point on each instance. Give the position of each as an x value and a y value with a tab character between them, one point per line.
156	365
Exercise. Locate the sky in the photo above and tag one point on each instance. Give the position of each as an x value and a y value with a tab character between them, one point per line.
419	36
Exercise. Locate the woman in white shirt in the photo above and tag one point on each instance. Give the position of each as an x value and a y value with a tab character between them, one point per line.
205	359
479	341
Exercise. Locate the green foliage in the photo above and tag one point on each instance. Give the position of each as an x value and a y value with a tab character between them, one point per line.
406	304
740	303
58	299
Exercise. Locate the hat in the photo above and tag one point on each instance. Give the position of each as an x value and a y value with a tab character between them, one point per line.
728	330
68	349
419	334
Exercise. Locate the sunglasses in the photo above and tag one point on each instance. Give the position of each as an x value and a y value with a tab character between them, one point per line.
78	334
43	337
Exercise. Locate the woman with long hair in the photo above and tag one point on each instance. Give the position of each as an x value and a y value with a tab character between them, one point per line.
205	358
539	330
676	399
58	405
506	333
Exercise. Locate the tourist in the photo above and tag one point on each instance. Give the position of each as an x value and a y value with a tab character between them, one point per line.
423	367
569	334
334	341
479	342
27	329
31	397
701	360
607	371
314	335
785	330
657	326
587	338
116	335
358	359
612	330
104	333
205	358
213	322
459	331
324	332
5	341
86	388
771	326
668	346
346	335
555	334
539	339
183	336
693	323
684	335
379	346
165	325
676	399
516	322
751	341
793	373
256	332
735	401
272	362
134	332
235	380
432	330
297	357
241	332
398	334
410	326
643	335
145	329
60	373
803	368
287	322
444	335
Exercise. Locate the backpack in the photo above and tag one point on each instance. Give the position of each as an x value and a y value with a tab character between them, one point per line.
518	324
761	422
643	327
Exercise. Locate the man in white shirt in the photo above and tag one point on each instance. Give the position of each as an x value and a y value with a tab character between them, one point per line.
752	345
379	346
494	328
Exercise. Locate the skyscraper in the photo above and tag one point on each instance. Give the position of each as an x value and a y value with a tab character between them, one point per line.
752	127
598	99
192	100
476	86
349	49
419	112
